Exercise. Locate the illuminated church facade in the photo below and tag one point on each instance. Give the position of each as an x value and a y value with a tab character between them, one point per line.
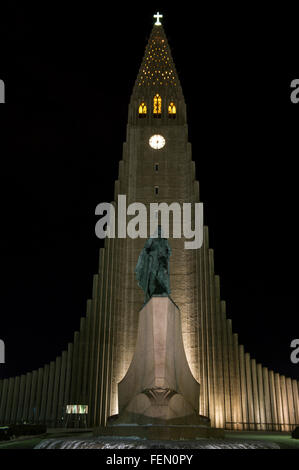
235	391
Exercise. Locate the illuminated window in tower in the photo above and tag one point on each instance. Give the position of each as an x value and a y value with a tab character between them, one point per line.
142	109
157	106
172	110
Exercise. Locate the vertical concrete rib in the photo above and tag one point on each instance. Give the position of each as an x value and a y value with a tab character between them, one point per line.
226	375
60	410
32	399
219	357
100	406
27	397
237	400
74	379
208	332
279	403
50	394
273	401
21	399
56	391
204	399
68	376
232	373
110	309
11	383
87	345
267	398
291	404
98	339
42	415
256	405
15	401
38	395
213	326
296	400
113	310
284	399
94	312
3	401
249	392
81	360
261	396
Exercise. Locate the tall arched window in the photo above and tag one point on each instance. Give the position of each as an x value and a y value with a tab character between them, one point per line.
157	105
142	109
172	110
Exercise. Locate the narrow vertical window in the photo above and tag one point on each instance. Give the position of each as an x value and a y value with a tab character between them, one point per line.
157	109
156	190
142	109
156	166
172	110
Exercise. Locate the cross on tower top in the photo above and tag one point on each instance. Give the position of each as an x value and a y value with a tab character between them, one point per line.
158	16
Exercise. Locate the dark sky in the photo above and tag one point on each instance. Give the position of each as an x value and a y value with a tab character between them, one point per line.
69	75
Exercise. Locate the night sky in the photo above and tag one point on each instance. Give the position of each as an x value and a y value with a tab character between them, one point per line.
69	75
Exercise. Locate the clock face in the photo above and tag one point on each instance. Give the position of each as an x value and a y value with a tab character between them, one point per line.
157	141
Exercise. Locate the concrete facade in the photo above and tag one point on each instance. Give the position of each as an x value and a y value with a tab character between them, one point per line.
235	392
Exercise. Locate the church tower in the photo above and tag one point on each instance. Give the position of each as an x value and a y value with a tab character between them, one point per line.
156	166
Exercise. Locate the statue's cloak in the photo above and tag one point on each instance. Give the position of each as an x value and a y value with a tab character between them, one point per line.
144	266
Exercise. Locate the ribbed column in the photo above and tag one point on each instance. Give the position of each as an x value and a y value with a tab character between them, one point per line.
232	374
50	394
27	397
94	310
87	346
32	399
81	361
291	404
220	412
273	400
237	400
1	387
296	400
119	363
21	399
3	401
244	398
60	403
261	394
98	343
226	376
267	397
56	390
213	337
114	313
106	314
42	416
257	418
39	394
204	407
249	391
11	383
74	379
209	331
15	401
68	375
285	407
279	402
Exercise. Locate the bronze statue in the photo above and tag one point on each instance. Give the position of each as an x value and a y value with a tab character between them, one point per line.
152	269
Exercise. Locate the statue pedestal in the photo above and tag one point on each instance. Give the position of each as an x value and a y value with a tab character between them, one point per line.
159	397
159	387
